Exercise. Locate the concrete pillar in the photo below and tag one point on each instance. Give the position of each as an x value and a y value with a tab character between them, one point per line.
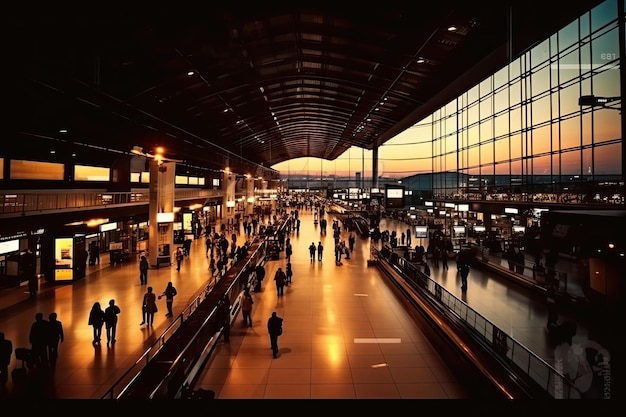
162	187
228	203
250	198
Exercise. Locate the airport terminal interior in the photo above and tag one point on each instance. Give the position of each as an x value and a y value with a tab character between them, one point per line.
474	250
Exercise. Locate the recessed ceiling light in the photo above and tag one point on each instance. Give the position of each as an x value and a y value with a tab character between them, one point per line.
451	28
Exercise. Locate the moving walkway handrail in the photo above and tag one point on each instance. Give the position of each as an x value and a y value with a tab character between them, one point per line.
508	349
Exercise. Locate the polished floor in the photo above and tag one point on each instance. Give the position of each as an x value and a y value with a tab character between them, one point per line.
346	336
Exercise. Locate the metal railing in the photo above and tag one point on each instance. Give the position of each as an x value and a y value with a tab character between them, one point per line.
18	203
555	383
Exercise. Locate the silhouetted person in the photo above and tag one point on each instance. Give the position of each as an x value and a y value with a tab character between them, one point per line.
179	258
96	320
312	251
149	306
169	293
110	321
143	270
55	336
259	270
288	273
246	308
38	338
280	279
223	317
30	271
464	271
320	251
6	350
275	329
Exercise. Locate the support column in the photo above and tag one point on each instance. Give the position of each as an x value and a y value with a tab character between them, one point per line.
375	167
161	242
250	198
228	203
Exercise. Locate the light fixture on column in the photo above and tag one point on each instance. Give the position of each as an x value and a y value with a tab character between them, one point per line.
595	101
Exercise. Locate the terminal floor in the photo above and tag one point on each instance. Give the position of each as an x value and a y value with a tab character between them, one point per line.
346	336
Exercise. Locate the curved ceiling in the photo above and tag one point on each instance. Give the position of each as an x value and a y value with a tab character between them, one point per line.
249	87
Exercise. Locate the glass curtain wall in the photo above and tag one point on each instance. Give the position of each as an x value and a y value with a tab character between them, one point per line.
521	134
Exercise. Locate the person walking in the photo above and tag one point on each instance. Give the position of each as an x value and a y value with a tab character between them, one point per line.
288	273
55	336
149	307
110	321
444	258
260	275
312	251
280	278
38	339
179	257
464	271
169	293
96	320
246	308
320	251
6	350
143	270
275	329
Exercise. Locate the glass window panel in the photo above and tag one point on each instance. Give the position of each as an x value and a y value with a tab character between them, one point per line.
515	93
540	54
515	69
606	125
603	14
500	78
540	110
450	125
587	128
450	162
474	156
541	165
451	108
515	119
607	159
569	66
570	133
463	159
501	125
33	170
540	81
606	83
516	171
89	173
472	95
486	153
501	149
486	130
485	87
587	168
486	108
556	137
135	176
502	168
180	179
568	36
516	146
554	41
541	140
605	49
568	100
501	100
473	135
145	177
